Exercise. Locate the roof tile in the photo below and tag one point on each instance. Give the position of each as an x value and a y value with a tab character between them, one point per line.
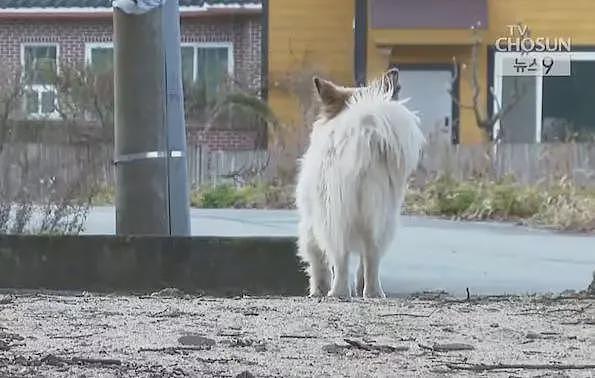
19	4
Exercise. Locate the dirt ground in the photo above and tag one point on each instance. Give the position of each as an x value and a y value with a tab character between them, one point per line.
171	334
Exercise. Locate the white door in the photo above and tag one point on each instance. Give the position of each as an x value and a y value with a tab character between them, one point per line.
428	90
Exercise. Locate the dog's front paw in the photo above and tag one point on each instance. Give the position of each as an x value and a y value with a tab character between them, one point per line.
318	289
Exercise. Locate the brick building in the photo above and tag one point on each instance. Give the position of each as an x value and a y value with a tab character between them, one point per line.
217	36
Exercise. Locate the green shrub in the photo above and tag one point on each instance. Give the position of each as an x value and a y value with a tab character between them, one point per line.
221	196
252	196
456	200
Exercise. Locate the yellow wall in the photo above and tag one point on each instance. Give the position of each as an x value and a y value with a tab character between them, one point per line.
307	36
444	55
545	18
318	35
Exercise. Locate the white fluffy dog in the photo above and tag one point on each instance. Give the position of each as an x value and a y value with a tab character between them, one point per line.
351	184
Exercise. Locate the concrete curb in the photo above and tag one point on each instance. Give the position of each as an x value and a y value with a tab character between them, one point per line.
211	265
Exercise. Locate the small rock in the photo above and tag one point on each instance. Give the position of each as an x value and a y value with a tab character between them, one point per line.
4	346
334	348
6	300
260	347
170	292
239	342
494	325
196	340
532	335
168	313
50	359
452	347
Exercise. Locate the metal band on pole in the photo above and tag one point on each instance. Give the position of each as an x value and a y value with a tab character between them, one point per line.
148	155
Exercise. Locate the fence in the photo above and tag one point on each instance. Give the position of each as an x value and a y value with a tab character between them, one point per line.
26	164
528	163
207	167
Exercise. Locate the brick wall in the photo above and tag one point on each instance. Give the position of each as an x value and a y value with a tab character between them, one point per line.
243	31
224	139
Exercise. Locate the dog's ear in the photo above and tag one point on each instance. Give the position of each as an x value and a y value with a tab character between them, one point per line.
326	90
317	84
392	74
332	97
391	77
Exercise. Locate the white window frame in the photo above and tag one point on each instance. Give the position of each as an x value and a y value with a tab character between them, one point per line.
95	45
499	56
197	45
39	88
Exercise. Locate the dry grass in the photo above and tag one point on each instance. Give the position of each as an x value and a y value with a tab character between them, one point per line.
561	206
568	208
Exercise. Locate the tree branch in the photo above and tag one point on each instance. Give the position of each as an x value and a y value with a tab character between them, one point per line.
482	119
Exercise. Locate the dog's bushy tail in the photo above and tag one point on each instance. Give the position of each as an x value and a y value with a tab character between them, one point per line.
386	130
372	148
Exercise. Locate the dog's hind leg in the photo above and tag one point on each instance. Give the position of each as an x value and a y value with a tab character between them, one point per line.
340	287
371	267
359	278
318	269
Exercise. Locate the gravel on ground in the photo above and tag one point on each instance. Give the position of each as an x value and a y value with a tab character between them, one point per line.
168	333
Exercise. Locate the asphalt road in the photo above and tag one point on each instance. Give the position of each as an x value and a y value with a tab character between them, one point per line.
431	254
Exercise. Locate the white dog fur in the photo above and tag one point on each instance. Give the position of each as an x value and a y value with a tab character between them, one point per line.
351	184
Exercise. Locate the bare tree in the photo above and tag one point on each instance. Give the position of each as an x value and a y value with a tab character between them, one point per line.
37	196
11	92
485	121
85	97
249	170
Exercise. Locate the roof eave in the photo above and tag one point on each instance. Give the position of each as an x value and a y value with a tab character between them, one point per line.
95	13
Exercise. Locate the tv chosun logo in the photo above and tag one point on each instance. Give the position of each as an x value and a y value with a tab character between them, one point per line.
527	56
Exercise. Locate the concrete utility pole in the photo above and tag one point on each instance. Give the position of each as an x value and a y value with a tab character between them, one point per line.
150	140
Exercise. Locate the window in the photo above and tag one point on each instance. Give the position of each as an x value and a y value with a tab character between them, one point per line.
206	65
100	58
40	65
567	104
551	108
